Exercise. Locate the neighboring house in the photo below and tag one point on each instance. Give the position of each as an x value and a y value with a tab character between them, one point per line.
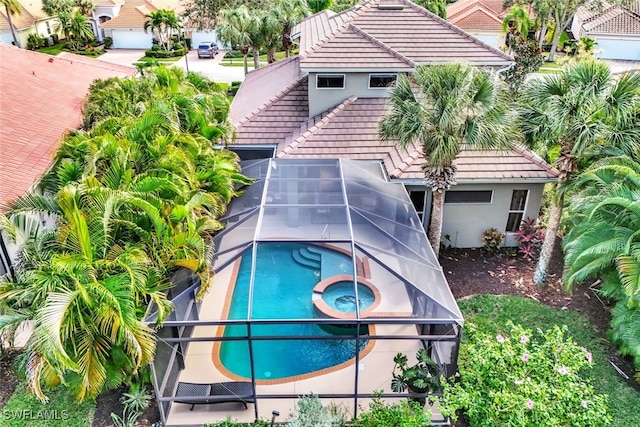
104	11
616	30
42	99
327	103
127	28
30	20
480	18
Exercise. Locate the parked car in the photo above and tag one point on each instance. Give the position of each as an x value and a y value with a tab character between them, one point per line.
207	50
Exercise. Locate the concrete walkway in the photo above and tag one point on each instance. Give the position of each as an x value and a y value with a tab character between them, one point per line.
206	66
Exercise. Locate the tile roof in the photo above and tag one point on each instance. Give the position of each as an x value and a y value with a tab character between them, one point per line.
327	41
476	17
350	130
129	18
263	86
31	12
132	14
42	98
495	7
611	19
365	51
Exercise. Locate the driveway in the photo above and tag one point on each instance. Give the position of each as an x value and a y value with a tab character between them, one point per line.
206	66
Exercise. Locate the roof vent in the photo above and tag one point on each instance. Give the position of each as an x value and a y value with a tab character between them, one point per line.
390	6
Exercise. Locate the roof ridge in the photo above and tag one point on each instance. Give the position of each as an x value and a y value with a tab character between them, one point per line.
382	45
479	7
357	10
407	161
290	143
463	33
527	153
272	100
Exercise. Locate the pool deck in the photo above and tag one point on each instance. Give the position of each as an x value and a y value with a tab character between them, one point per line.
375	367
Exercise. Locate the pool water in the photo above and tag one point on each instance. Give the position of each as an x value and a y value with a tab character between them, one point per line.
341	296
283	290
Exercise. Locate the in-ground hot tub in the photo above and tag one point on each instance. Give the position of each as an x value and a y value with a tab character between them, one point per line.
335	297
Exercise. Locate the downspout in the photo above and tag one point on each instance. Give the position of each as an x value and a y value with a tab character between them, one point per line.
502	70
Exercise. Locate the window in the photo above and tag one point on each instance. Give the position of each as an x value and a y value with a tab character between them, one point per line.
382	81
48	28
516	209
418	199
468	196
330	81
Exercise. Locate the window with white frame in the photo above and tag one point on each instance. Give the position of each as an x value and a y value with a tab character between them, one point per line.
382	81
516	209
454	196
330	81
418	198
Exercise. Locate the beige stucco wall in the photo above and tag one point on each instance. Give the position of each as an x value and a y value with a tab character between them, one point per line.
465	223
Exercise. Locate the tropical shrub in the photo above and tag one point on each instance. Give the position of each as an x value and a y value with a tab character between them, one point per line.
529	238
603	243
525	378
35	42
491	240
311	413
135	197
401	414
108	42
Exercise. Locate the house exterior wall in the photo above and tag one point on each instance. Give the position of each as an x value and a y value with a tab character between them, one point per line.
465	222
493	39
355	84
625	48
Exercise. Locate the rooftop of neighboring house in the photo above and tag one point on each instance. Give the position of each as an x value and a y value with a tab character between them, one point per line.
479	15
272	105
476	14
42	99
611	19
132	14
387	34
31	12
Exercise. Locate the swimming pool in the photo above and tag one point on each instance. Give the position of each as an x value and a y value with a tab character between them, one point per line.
286	274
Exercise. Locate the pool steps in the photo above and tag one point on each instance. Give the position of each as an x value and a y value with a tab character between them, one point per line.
306	258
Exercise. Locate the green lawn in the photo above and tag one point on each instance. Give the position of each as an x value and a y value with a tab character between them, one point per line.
24	409
491	313
52	50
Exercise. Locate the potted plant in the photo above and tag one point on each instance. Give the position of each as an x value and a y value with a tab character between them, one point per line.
420	378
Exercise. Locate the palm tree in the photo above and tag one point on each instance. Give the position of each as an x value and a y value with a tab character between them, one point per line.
319	5
238	29
289	13
516	23
580	111
12	7
441	108
162	22
603	241
437	7
267	35
80	28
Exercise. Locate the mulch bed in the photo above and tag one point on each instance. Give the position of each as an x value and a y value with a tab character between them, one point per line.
469	272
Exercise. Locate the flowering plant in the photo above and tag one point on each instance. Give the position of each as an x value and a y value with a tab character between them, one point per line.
525	379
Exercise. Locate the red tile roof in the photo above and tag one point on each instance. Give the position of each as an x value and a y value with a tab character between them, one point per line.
350	130
42	98
328	41
476	17
495	7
